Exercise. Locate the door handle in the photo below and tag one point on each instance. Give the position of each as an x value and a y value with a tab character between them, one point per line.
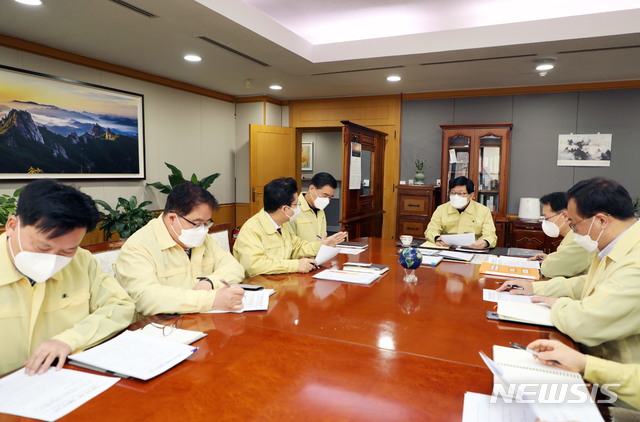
254	192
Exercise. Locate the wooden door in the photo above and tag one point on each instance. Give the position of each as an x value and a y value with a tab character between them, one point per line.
273	153
362	205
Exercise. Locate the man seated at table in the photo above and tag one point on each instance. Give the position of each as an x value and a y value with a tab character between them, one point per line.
570	258
265	245
599	309
311	224
462	215
54	297
621	379
172	265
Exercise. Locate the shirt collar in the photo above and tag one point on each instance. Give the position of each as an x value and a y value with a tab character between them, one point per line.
275	225
607	250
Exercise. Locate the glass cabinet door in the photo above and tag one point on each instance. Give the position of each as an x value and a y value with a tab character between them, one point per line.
489	172
459	148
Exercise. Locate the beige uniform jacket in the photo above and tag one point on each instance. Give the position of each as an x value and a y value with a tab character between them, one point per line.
568	260
600	371
476	219
159	275
262	250
601	309
308	226
80	306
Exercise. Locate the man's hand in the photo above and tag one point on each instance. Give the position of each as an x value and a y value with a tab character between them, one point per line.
40	361
526	287
569	359
439	242
306	265
549	301
335	239
228	298
203	285
538	257
479	244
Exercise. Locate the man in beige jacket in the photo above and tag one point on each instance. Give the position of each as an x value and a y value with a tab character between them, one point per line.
172	265
601	309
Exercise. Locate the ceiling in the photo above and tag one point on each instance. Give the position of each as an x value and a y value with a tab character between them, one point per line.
335	48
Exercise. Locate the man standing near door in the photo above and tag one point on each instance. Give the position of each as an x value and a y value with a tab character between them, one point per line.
311	223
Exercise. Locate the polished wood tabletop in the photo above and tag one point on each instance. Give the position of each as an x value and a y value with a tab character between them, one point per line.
331	351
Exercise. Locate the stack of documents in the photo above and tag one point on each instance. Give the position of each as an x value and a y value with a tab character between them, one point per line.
526	313
347	276
511	267
365	268
51	395
133	354
456	256
253	300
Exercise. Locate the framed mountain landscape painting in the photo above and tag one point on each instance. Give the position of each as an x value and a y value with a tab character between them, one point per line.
57	127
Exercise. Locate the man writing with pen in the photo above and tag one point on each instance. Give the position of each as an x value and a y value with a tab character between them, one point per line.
172	265
266	245
600	309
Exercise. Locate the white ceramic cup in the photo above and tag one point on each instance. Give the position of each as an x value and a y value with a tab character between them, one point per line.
406	239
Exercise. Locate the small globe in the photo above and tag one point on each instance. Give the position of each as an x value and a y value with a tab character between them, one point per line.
410	258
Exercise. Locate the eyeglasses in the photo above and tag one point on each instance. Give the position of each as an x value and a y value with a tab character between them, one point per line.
167	328
206	225
462	194
573	226
543	218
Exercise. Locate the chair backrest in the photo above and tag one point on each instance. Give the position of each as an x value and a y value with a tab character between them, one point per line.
221	233
106	254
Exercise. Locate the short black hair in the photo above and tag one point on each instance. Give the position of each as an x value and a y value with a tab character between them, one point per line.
462	181
184	197
601	195
322	179
56	209
279	192
557	201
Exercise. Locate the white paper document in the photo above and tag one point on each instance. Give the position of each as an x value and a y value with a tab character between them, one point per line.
347	276
253	300
326	253
512	261
464	239
478	408
529	313
495	296
351	251
134	354
51	395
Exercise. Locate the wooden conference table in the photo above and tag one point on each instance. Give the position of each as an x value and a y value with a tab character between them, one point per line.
330	351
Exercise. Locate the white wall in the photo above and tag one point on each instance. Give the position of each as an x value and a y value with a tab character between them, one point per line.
193	132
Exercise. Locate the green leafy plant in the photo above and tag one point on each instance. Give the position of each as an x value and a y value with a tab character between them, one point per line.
176	177
8	205
636	206
132	217
419	165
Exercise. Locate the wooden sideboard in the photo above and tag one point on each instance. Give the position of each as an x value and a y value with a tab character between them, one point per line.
528	234
416	205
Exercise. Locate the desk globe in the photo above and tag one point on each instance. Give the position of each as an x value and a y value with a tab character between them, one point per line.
410	259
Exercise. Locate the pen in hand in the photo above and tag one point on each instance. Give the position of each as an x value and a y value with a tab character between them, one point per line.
533	352
223	281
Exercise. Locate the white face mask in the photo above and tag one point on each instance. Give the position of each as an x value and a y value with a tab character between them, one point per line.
192	238
586	241
550	228
320	203
458	201
296	212
38	266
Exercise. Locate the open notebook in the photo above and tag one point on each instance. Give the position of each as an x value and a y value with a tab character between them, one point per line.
526	313
548	393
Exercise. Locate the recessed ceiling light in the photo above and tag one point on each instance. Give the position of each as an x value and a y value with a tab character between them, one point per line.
275	87
192	58
394	78
544	67
31	2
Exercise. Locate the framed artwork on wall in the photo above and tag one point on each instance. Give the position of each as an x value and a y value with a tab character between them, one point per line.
307	156
591	150
66	129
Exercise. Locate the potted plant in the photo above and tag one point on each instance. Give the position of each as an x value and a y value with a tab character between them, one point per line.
127	221
176	177
8	204
419	176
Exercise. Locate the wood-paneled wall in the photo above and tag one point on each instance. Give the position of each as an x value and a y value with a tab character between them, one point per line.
382	113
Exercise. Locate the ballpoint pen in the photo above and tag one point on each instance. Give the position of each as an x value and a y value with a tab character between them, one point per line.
533	352
223	281
515	287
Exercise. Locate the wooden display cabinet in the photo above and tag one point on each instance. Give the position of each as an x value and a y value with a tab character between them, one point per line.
480	152
528	234
416	205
